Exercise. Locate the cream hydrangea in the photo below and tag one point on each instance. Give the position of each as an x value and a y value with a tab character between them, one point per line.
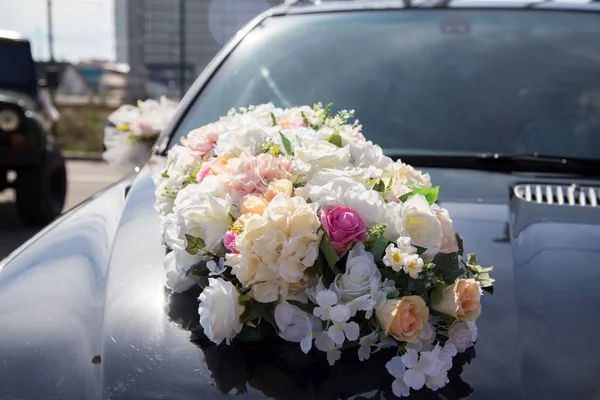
277	246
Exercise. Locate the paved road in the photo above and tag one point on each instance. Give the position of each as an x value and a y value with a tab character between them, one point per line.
85	179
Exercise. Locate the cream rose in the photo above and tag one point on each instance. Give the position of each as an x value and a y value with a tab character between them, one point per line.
404	318
462	300
284	186
321	154
220	311
422	225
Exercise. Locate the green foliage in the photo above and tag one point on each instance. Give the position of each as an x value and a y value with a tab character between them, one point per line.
273	120
431	194
270	148
81	126
448	266
329	253
304	119
379	186
459	243
335	138
194	244
374	239
287	145
480	274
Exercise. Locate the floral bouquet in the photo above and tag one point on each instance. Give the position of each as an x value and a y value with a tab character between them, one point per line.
131	131
293	223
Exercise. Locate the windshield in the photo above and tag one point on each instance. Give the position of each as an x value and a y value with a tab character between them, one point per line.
432	81
16	66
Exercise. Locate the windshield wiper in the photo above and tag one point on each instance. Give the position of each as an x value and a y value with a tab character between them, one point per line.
527	162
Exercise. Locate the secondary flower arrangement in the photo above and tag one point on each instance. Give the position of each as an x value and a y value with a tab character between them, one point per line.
131	131
294	223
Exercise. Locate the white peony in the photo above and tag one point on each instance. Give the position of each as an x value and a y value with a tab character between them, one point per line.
296	325
242	139
203	215
220	311
365	154
321	154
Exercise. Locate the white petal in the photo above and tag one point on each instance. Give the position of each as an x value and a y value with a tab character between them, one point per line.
326	298
414	379
324	343
400	388
429	363
410	359
306	344
333	356
352	330
364	352
395	367
340	313
336	334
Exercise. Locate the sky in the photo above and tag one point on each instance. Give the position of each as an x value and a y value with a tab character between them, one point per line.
82	28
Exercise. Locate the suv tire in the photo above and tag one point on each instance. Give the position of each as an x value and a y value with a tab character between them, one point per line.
41	190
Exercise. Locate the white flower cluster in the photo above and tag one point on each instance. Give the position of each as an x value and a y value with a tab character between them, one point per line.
299	220
131	131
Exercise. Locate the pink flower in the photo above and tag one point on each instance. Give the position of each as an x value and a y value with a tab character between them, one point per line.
203	140
252	175
286	124
143	129
229	241
203	172
344	227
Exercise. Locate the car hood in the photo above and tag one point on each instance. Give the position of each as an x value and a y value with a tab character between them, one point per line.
85	313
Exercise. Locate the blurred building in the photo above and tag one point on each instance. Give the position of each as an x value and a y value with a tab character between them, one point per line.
148	39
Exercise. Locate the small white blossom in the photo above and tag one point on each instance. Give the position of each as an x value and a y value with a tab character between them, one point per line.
324	343
326	299
462	334
366	342
397	369
420	367
216	268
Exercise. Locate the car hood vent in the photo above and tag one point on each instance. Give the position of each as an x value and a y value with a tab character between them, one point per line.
562	195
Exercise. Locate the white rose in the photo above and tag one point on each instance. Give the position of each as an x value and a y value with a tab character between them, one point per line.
462	334
176	264
296	325
203	215
361	274
220	311
449	244
422	225
406	174
321	154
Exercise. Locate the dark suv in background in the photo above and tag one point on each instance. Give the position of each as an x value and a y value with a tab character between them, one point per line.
27	142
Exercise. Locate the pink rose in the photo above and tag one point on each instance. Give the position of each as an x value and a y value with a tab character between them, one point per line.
344	227
202	141
229	241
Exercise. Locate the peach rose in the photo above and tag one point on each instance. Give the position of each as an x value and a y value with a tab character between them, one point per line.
253	204
461	300
404	318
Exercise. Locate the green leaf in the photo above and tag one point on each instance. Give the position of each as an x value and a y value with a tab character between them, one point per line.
306	307
489	289
459	243
436	295
273	120
335	139
164	174
287	145
431	194
420	250
378	248
449	267
304	119
472	259
250	334
379	186
327	248
194	244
